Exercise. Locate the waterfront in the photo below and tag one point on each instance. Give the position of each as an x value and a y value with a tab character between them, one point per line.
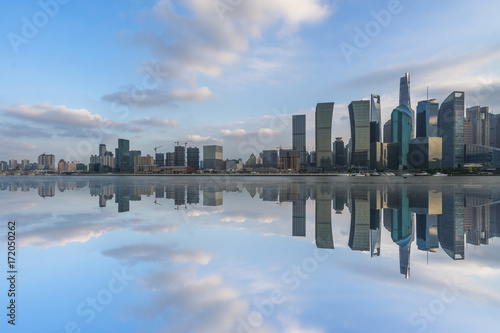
256	254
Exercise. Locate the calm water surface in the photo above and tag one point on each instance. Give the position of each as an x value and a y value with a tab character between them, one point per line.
253	254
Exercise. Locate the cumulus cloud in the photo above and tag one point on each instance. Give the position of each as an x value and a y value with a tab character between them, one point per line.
155	253
203	139
156	122
18	130
237	133
199	38
58	114
138	97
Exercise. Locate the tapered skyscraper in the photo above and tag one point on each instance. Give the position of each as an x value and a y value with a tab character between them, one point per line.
375	120
404	98
324	113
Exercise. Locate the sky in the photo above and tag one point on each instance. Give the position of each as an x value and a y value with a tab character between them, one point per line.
77	73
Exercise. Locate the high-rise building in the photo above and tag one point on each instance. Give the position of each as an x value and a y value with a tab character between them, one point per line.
193	157
401	133
451	129
122	156
4	166
375	120
160	159
133	155
467	132
46	162
494	130
359	115
213	157
180	156
425	153
388	132
479	117
427	114
338	152
270	158
299	137
12	164
169	159
102	149
25	163
324	114
404	98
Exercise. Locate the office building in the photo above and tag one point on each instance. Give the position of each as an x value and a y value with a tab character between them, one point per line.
289	160
270	158
25	164
193	157
427	114
451	129
359	116
375	119
46	162
122	156
467	132
401	122
4	166
299	138
102	149
494	130
12	164
425	153
479	117
388	132
338	152
213	157
160	159
324	114
180	156
404	99
169	159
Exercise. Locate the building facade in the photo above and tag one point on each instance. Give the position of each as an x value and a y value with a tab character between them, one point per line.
213	157
299	138
451	129
324	114
479	117
359	116
401	133
193	157
427	114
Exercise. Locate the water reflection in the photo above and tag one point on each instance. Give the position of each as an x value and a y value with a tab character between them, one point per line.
446	215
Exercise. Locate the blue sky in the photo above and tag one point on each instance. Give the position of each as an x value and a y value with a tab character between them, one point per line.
79	73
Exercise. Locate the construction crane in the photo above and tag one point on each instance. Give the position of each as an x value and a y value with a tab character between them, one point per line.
181	142
157	148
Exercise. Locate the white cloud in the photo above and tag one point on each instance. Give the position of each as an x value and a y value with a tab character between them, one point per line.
156	122
237	133
203	139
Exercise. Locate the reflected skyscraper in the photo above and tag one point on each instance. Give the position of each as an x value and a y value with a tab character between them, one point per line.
324	114
299	218
451	223
359	234
324	236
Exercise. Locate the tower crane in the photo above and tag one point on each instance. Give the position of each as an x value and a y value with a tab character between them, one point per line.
156	149
181	142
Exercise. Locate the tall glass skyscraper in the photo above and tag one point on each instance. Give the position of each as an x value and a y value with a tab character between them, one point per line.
359	115
451	129
404	97
427	114
480	120
375	119
401	132
324	114
299	137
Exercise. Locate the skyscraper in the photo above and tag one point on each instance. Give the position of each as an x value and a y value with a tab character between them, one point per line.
193	157
404	98
451	129
299	137
479	117
46	162
427	114
388	132
180	155
375	122
102	149
213	157
359	116
401	120
494	130
122	156
338	152
324	114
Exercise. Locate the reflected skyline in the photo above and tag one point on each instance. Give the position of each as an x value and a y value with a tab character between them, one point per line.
442	217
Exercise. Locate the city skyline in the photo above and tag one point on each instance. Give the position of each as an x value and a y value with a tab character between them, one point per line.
248	79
